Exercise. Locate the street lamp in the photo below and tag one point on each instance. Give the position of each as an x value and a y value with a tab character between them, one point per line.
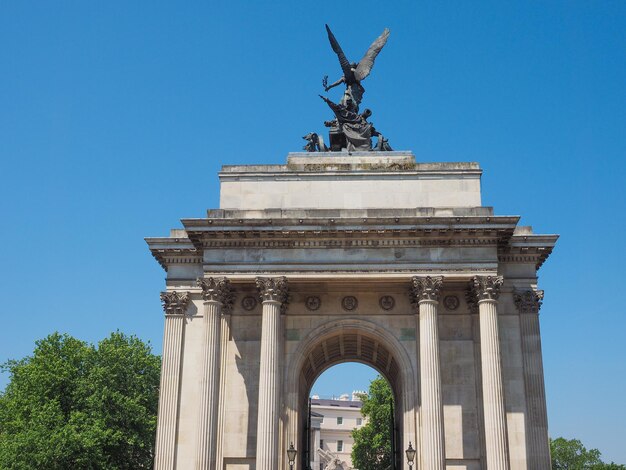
410	455
291	455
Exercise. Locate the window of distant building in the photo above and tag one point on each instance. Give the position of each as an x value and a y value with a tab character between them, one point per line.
339	420
339	446
321	443
359	421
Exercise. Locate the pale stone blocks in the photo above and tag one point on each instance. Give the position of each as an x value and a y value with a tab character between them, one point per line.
358	226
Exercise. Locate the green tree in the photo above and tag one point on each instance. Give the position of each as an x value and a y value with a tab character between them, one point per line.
372	442
572	455
72	405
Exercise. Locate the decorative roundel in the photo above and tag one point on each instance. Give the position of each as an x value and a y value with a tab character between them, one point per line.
349	303
248	303
313	302
387	302
451	302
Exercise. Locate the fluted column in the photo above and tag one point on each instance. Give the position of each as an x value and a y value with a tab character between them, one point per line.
174	305
528	303
483	295
274	294
425	295
218	296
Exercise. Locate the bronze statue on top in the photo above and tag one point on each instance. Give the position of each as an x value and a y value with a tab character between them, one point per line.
350	129
354	73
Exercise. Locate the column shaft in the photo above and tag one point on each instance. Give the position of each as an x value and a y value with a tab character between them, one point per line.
209	396
433	456
175	305
493	390
165	450
425	292
269	387
537	441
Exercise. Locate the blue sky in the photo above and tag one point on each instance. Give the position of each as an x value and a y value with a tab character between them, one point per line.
116	116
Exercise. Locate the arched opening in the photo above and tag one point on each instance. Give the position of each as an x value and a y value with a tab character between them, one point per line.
350	341
335	411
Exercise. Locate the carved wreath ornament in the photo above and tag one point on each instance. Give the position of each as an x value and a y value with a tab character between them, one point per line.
313	302
349	303
451	302
248	303
387	302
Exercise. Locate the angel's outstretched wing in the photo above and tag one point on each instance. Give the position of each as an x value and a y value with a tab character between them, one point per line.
343	60
367	62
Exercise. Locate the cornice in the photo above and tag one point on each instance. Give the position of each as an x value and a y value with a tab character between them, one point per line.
349	232
527	248
386	164
170	250
366	222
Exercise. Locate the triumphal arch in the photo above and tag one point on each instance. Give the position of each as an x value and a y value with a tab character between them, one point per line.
352	253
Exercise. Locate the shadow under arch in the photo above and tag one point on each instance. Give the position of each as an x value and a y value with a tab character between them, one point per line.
344	340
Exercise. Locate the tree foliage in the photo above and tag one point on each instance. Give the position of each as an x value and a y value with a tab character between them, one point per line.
372	442
572	455
73	405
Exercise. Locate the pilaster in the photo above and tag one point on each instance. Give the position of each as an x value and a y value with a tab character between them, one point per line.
528	303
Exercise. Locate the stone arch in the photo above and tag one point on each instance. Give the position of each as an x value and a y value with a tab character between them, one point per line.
350	340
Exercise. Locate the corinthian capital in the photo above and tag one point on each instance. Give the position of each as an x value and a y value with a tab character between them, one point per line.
217	289
528	301
483	288
425	288
273	288
174	303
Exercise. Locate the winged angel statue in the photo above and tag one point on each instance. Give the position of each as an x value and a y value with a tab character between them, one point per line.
350	130
353	73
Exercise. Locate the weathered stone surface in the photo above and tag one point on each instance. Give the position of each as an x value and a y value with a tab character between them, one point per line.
362	227
357	181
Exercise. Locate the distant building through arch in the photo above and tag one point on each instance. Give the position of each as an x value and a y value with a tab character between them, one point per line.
332	422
